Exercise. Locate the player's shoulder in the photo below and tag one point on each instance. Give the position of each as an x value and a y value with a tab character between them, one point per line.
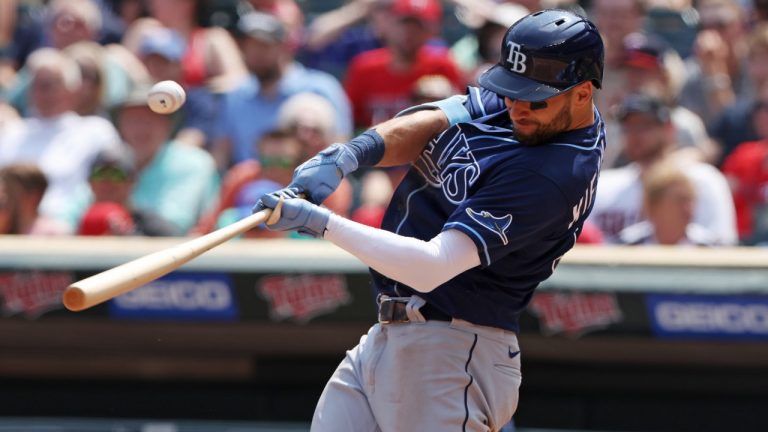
481	103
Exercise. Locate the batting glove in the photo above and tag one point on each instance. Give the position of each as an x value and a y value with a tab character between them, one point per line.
292	213
318	177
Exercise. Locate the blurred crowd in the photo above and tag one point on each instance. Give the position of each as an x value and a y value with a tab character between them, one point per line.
270	83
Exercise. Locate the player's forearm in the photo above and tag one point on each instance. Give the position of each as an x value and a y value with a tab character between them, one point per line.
419	264
406	136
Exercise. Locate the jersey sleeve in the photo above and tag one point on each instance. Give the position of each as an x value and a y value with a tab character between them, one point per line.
481	102
511	211
476	104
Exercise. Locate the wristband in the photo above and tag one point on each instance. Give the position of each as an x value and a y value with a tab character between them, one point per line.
368	148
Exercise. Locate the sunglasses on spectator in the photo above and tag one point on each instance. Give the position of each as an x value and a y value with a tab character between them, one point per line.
110	174
277	162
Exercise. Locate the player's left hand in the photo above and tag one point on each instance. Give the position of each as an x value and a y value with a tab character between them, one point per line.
289	212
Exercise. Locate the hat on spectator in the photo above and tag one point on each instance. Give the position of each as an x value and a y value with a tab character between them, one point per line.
164	42
106	218
120	158
645	51
263	26
425	10
638	103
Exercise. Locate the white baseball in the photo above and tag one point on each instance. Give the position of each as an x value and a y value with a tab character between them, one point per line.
166	97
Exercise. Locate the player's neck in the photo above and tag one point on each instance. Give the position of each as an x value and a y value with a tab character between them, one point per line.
583	118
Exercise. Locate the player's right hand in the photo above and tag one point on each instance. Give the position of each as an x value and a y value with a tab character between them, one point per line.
318	177
290	212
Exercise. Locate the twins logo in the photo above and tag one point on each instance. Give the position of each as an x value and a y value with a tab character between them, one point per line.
454	169
497	225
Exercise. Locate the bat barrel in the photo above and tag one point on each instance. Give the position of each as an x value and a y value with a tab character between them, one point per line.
133	274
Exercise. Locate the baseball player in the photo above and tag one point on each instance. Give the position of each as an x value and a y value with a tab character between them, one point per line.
500	183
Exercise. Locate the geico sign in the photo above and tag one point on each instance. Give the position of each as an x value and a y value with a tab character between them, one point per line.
712	317
180	294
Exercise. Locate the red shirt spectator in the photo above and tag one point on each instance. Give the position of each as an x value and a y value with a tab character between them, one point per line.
747	172
379	82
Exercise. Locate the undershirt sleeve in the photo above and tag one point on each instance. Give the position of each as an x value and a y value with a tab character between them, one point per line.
422	265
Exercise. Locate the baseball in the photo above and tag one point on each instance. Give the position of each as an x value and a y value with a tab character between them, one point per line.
166	97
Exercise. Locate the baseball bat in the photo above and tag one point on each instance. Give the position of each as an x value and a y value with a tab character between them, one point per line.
133	274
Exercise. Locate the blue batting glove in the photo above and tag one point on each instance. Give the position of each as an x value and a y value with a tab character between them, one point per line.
286	193
296	214
318	177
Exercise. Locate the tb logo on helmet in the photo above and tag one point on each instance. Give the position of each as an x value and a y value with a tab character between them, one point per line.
516	58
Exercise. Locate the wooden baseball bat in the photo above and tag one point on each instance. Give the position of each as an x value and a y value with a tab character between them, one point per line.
133	274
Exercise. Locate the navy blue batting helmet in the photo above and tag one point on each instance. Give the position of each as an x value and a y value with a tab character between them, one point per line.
544	54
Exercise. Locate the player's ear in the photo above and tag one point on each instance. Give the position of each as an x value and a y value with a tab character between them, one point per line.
582	94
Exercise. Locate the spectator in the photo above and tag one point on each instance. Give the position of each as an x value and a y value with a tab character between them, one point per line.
177	181
649	137
106	219
8	115
280	152
651	65
334	38
96	95
615	19
23	187
251	109
127	11
287	11
312	118
246	196
735	124
379	82
375	196
669	199
675	21
8	14
73	27
488	21
56	138
112	178
716	74
747	174
72	21
162	51
590	234
210	58
431	88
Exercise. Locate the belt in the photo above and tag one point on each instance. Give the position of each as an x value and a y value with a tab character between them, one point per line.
393	310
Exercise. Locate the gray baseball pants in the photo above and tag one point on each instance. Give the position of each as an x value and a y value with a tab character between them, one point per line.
423	376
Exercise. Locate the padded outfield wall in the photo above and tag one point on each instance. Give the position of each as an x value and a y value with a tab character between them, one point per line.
617	339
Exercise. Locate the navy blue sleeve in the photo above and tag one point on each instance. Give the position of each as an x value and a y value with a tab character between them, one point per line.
511	211
481	102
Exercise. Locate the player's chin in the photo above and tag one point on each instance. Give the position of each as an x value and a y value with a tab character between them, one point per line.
529	139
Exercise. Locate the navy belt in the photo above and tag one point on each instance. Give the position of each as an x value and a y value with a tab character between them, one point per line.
393	310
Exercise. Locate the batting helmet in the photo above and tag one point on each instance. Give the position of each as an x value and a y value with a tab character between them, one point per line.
544	54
